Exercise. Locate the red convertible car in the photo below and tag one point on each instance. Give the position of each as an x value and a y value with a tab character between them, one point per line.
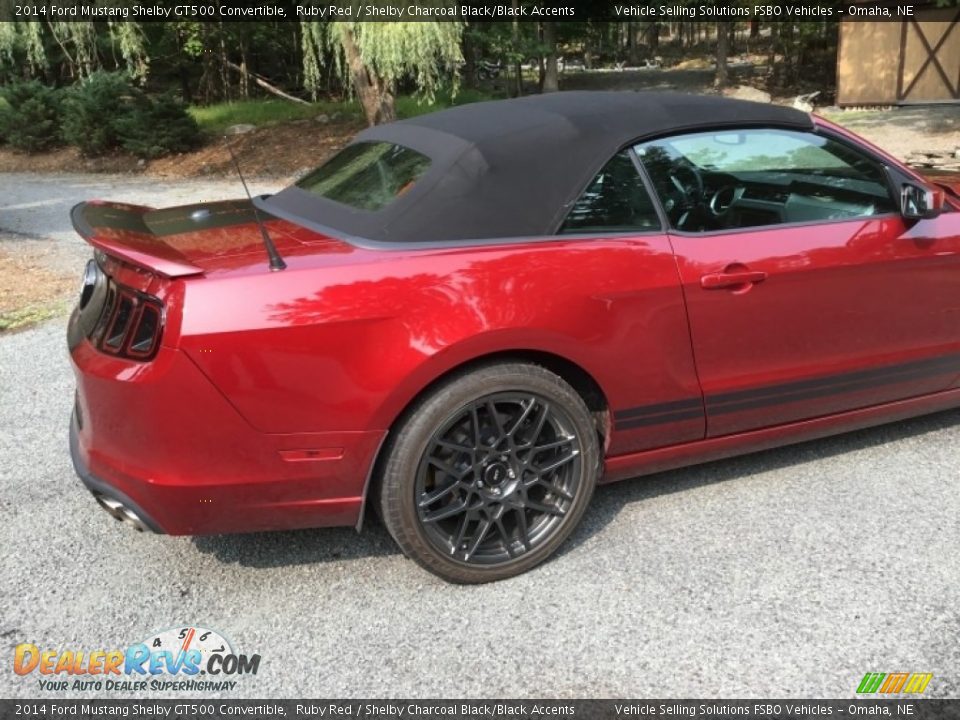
466	320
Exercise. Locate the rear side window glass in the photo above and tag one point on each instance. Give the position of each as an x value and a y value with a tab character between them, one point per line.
614	201
368	176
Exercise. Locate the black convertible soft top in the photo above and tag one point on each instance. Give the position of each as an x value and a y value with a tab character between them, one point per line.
513	168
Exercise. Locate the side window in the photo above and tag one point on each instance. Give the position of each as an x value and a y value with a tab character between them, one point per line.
615	201
746	178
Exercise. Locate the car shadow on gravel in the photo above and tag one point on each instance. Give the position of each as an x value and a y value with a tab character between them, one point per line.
309	547
610	500
299	547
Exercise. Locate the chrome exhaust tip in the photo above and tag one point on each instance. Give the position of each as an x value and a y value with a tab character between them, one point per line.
121	512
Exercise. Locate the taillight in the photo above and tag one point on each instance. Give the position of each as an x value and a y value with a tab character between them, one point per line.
129	325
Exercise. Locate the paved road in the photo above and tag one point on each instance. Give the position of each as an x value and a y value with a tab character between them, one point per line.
790	573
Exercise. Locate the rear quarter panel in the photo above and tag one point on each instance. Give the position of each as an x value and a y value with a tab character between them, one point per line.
348	345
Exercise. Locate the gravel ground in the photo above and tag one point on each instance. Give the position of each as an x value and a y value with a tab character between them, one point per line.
789	573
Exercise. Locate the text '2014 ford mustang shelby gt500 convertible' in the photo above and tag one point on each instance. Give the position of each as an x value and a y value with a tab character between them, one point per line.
467	320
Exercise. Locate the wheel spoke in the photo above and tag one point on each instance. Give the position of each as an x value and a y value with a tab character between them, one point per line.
475	420
522	530
555	489
492	411
479	534
461	533
454	508
429	498
447	468
541	421
446	444
545	508
558	462
507	542
555	444
523	416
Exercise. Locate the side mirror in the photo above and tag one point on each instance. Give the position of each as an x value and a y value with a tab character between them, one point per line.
920	203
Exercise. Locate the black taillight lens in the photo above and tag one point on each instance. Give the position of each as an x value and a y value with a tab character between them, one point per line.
130	325
119	327
146	332
116	319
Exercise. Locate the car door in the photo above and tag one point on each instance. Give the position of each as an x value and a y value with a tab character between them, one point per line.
653	389
806	291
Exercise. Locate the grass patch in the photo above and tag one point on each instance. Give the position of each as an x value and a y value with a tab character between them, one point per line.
22	318
408	106
215	119
843	117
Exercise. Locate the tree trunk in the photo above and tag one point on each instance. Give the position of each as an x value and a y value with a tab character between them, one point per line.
517	70
723	42
375	97
182	71
550	81
244	71
754	29
224	75
469	59
653	37
262	82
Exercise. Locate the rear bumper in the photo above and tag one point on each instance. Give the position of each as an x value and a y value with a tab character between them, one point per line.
161	441
104	492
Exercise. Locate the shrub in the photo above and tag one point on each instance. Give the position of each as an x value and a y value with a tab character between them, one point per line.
107	112
30	117
157	126
93	107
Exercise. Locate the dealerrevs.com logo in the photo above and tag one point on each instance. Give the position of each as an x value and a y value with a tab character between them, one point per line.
192	659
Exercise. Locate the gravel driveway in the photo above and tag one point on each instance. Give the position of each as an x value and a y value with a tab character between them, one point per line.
789	573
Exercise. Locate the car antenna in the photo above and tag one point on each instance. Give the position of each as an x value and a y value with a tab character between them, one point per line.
276	262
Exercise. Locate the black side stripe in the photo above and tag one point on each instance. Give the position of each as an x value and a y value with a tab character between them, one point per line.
658	409
830	385
659	419
660	413
740	400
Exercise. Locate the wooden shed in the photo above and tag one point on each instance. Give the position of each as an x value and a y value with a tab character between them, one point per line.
914	61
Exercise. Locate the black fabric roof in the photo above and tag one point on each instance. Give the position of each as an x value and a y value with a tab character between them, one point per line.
513	168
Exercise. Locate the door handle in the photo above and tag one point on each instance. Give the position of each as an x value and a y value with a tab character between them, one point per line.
720	281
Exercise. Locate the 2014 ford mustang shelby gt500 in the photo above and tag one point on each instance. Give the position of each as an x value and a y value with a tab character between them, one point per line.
466	320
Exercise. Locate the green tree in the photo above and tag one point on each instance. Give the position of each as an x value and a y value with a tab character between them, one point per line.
78	48
30	120
372	57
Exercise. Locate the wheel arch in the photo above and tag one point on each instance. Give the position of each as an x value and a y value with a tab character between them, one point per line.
574	374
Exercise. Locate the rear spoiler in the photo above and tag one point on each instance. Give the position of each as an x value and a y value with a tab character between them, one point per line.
118	229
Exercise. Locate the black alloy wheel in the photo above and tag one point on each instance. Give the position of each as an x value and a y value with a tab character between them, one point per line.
490	473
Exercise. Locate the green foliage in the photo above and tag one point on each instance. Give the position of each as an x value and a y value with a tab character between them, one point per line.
21	43
215	119
79	48
93	108
410	105
30	116
428	51
107	112
154	127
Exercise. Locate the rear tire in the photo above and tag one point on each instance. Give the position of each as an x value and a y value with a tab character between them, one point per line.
490	472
